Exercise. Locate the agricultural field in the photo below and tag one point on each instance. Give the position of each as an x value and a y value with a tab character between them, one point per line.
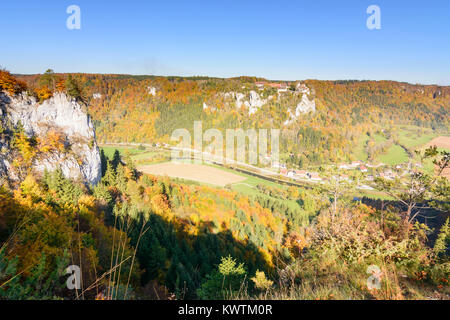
109	150
360	152
442	142
401	142
241	182
139	155
394	155
192	171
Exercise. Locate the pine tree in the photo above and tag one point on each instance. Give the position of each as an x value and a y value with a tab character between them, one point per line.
104	162
121	179
443	238
48	80
72	88
116	159
109	178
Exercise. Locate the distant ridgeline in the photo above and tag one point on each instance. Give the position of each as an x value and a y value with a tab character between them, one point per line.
321	121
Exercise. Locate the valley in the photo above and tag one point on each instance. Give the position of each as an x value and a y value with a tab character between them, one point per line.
344	187
224	158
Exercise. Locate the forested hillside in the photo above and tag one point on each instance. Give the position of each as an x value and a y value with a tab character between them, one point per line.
139	236
146	109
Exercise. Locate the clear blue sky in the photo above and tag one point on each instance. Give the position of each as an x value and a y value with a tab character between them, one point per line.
286	40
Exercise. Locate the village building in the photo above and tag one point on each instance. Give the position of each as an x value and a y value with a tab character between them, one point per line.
314	176
301	173
260	85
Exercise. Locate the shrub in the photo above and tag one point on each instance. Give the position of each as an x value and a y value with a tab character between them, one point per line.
224	283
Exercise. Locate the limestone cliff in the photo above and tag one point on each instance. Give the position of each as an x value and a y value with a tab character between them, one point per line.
78	159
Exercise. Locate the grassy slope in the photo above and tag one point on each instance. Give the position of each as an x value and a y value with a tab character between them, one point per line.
411	137
109	150
394	155
360	150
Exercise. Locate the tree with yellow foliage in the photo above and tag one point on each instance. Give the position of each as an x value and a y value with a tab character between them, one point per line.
43	93
25	150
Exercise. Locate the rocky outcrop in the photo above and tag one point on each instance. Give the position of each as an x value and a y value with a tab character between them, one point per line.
152	91
80	158
254	102
305	106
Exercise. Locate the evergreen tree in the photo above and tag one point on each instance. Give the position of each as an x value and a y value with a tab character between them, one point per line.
48	79
104	162
72	88
101	192
116	159
121	179
109	178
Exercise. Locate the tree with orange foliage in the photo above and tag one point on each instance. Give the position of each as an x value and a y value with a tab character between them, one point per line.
53	142
60	85
11	84
160	203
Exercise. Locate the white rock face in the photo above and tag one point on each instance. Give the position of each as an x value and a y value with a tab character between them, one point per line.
253	103
239	99
290	119
61	114
152	91
305	106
